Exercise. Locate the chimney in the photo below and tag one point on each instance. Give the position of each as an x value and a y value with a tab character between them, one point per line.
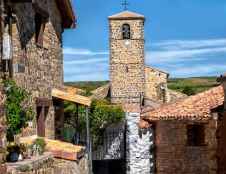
222	80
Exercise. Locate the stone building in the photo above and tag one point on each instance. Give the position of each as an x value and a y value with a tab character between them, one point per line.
189	134
130	80
127	75
134	86
32	55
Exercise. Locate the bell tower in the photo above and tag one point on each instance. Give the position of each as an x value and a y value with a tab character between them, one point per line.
127	74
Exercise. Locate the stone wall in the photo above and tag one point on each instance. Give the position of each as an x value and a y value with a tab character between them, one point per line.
126	62
43	64
49	165
138	146
2	132
173	155
154	81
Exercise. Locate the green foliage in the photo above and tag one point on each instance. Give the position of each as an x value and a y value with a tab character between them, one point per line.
102	114
18	112
192	85
39	144
188	90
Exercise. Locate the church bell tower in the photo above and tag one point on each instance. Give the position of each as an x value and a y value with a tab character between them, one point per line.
127	74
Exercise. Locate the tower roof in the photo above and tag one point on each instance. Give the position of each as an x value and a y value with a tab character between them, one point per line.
126	15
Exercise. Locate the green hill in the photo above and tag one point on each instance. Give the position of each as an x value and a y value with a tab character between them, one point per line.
194	84
189	86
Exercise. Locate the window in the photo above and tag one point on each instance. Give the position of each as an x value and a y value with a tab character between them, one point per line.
127	69
39	29
196	135
126	31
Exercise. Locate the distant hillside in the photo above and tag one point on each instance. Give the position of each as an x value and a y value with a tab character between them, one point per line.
187	85
192	85
88	85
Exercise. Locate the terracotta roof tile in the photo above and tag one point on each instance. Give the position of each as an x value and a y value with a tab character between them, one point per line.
127	15
197	107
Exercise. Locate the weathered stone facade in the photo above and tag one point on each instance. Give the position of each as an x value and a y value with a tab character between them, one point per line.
138	148
174	155
156	85
37	67
130	80
46	164
126	60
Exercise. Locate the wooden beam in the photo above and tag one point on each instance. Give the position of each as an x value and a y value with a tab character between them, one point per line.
71	97
45	102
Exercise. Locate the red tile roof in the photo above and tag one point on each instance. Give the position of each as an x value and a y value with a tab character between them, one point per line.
126	15
197	107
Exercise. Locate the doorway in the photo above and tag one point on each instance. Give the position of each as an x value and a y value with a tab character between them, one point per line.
42	110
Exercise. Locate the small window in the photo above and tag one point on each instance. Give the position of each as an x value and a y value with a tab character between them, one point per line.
39	29
196	135
126	31
127	69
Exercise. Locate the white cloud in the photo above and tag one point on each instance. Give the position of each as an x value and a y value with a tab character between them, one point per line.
190	44
85	61
182	50
181	58
87	52
198	70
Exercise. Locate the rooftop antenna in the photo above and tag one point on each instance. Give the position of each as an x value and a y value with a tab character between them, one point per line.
125	4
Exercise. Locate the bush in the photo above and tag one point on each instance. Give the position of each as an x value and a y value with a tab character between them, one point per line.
18	112
188	90
39	145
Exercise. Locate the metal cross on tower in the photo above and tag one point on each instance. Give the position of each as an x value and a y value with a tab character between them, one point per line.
125	5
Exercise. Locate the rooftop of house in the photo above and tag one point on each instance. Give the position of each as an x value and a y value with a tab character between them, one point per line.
197	107
126	15
65	8
67	13
156	69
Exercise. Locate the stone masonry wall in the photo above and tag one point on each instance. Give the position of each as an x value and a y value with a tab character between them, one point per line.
126	62
53	166
43	65
174	156
138	146
153	81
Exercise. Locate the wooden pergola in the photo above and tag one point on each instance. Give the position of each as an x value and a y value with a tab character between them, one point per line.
70	94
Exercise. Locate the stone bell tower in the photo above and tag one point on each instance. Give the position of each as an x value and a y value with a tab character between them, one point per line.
127	74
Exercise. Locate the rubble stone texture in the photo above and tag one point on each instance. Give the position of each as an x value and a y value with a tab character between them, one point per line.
156	85
173	155
127	62
138	154
52	166
43	64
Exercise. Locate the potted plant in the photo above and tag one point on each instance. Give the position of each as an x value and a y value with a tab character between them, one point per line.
38	146
13	152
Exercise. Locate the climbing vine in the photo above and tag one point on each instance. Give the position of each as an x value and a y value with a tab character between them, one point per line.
18	110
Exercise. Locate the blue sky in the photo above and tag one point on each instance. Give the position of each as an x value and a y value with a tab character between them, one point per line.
186	38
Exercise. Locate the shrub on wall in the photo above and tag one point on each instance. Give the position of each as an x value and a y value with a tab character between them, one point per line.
18	111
